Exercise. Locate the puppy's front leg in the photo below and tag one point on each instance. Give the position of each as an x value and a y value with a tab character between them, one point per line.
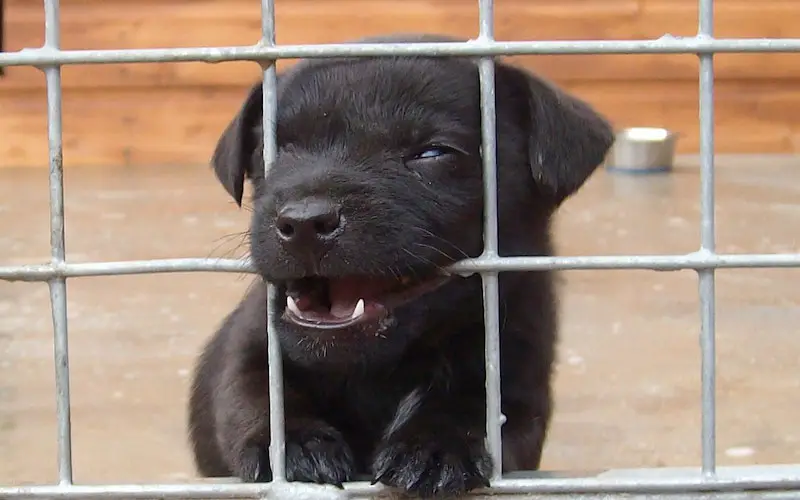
435	445
315	451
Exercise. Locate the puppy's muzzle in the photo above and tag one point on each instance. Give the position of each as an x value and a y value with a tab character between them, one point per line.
308	227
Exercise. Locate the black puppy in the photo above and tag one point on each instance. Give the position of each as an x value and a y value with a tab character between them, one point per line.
376	189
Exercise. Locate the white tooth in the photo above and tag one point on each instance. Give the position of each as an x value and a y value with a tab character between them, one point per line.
359	309
292	306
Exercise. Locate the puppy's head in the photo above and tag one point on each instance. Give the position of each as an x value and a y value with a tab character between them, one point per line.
377	187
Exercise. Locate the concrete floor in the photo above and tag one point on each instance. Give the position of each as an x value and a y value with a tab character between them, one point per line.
628	381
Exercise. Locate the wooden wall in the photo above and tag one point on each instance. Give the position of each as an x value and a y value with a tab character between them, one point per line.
166	114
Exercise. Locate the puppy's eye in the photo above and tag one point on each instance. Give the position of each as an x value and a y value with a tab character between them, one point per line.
432	153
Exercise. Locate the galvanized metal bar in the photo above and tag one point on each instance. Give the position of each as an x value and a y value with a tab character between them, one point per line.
277	443
329	495
641	481
665	45
706	283
58	285
491	307
697	260
488	131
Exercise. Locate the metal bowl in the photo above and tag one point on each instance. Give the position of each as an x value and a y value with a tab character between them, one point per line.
642	150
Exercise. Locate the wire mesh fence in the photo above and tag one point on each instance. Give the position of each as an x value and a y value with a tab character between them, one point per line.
708	481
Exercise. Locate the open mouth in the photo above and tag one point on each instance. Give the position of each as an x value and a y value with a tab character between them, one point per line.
333	303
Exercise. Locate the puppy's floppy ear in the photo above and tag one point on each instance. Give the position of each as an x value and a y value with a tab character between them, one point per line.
567	138
234	157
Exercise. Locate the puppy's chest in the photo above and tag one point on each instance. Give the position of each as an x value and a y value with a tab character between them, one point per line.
366	405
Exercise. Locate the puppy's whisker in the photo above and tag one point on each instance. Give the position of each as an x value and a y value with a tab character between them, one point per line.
244	206
395	272
240	251
412	271
424	260
431	247
439	238
243	239
231	236
409	268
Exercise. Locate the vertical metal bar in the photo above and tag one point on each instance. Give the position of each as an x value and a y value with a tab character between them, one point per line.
58	286
269	106
707	238
2	33
490	280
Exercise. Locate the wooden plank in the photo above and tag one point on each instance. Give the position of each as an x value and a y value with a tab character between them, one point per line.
181	126
147	24
119	127
750	117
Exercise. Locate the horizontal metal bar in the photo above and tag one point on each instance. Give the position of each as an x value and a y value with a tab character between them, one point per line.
329	495
45	272
644	481
697	260
667	44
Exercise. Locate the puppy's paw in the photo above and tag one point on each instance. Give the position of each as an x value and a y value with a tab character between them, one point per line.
429	465
315	453
253	464
318	453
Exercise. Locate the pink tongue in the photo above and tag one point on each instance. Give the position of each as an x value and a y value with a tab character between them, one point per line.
344	294
343	309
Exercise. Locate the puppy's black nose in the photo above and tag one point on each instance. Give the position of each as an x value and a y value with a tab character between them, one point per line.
308	222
